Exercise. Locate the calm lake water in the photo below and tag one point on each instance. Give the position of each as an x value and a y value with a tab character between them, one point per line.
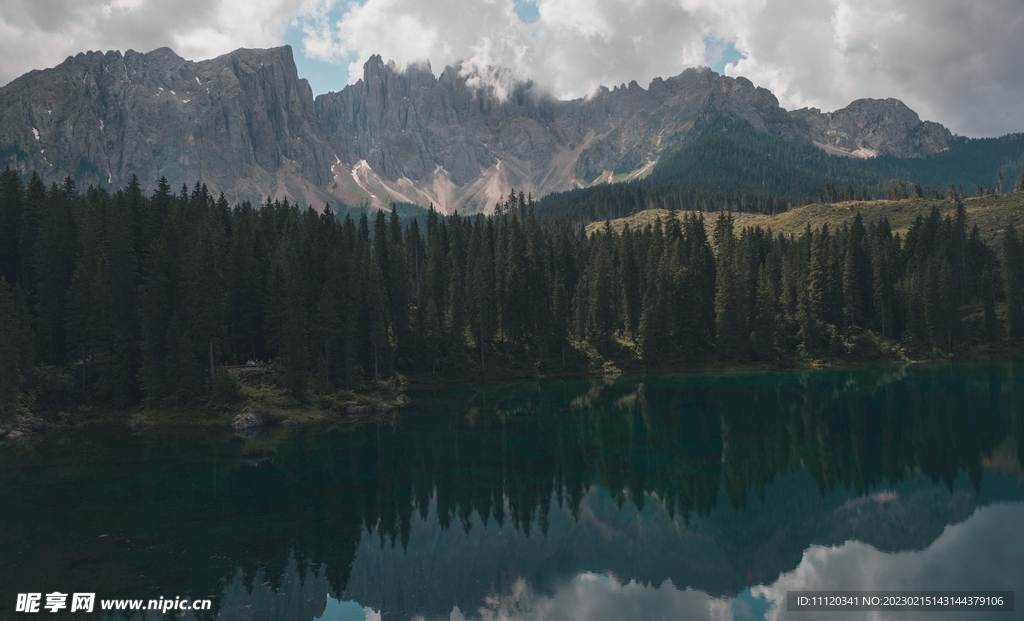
699	497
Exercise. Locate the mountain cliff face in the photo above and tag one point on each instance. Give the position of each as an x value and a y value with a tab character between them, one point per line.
243	123
246	124
870	127
441	140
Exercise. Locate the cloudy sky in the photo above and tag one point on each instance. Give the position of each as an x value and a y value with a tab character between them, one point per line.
954	61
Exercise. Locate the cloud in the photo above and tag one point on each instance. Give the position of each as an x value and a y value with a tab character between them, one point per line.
35	34
952	61
571	48
599	597
983	553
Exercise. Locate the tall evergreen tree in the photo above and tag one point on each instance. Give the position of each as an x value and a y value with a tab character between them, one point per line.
15	349
12	208
54	250
1013	282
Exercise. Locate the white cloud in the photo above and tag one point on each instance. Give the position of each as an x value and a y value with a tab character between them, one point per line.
954	62
951	61
983	553
599	597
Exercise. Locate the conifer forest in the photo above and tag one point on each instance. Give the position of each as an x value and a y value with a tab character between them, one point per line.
132	297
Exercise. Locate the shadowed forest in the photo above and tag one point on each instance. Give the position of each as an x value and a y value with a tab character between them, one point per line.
130	298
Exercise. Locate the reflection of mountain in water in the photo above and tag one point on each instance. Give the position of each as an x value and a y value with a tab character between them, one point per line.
720	554
716	483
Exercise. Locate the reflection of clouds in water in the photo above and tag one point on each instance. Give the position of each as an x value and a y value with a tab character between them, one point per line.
600	598
984	553
337	610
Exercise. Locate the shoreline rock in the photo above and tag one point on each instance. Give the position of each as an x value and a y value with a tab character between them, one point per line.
248	419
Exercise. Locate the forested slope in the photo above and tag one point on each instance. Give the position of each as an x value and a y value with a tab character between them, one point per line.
128	298
732	167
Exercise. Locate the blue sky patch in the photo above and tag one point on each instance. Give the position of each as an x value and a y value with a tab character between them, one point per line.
721	53
527	11
323	76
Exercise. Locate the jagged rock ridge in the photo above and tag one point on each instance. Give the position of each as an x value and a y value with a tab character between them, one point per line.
870	127
246	124
242	123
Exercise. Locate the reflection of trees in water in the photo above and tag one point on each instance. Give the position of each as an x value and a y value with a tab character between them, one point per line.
185	514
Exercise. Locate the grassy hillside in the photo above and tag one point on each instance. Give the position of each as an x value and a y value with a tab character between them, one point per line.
991	213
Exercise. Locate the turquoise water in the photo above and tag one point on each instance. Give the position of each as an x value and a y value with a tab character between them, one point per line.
698	497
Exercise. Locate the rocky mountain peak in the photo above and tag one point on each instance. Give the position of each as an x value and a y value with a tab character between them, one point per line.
246	124
870	127
243	123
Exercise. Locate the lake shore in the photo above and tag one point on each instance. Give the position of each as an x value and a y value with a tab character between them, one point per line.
254	399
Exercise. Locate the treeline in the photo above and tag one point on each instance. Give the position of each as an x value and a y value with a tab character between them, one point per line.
729	166
123	297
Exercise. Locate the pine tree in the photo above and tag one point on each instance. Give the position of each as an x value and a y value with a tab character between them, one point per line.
821	293
853	307
54	251
334	308
15	349
1013	282
245	289
564	280
629	278
35	201
12	207
287	316
766	316
156	306
480	286
84	298
399	289
731	329
989	306
201	288
699	282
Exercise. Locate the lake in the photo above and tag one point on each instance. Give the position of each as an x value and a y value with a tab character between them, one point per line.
669	497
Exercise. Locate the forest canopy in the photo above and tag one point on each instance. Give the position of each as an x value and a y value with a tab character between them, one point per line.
130	298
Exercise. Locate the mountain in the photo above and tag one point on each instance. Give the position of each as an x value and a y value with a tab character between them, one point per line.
247	125
870	127
243	123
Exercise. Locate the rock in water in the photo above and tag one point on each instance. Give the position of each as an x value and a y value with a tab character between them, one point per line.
248	419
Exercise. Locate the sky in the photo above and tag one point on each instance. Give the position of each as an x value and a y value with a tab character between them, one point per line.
953	61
